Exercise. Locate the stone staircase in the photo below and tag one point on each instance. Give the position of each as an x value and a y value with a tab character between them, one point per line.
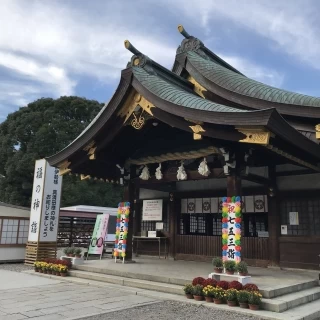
299	301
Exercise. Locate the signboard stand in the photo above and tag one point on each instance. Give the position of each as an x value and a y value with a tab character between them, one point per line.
96	245
44	214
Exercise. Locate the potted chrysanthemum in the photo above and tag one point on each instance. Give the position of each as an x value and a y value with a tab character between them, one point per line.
231	297
254	300
188	290
242	297
208	293
217	264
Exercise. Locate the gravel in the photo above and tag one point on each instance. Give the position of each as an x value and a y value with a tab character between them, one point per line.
17	267
169	310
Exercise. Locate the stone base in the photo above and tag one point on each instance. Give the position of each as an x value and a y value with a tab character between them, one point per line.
75	261
242	279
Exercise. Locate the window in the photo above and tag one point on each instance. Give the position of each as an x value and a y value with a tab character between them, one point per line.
308	212
14	231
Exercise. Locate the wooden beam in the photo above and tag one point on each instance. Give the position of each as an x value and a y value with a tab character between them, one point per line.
294	173
256	179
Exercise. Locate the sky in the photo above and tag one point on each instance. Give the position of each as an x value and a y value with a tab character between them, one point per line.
51	48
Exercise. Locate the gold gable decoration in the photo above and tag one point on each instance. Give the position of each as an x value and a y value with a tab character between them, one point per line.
255	135
197	87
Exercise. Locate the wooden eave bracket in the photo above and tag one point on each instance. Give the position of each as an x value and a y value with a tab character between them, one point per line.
91	149
64	168
197	130
255	135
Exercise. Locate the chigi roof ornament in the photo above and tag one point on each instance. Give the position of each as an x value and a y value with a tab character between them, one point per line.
139	59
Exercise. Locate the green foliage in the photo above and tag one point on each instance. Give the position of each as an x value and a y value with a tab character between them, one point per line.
188	289
217	262
39	130
197	290
242	267
230	265
242	296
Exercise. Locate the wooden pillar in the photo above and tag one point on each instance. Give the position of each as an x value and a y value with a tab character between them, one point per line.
172	225
233	185
129	196
136	209
273	220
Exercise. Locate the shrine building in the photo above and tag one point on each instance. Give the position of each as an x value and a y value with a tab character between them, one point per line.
200	132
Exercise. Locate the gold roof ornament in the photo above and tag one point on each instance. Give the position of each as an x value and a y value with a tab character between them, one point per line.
196	131
64	168
197	87
317	127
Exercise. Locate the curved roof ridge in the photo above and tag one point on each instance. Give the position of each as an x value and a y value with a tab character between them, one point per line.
239	84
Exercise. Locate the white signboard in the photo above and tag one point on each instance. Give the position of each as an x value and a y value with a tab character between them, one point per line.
294	218
45	205
152	210
284	229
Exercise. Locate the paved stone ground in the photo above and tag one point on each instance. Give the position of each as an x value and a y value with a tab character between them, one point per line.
169	310
18	267
26	296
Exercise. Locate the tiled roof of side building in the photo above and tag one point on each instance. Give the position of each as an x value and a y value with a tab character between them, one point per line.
175	94
242	85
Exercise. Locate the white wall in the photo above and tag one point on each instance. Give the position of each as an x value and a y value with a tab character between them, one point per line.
12	253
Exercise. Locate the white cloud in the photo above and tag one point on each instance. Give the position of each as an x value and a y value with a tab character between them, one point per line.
55	43
293	26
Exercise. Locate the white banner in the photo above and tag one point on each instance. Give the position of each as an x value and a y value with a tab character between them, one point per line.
45	205
152	210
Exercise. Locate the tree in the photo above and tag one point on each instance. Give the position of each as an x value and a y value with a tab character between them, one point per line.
39	130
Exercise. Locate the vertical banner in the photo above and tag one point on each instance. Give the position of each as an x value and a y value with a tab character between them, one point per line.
45	203
99	234
122	230
231	229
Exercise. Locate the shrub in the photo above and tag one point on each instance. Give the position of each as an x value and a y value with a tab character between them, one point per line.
188	289
223	284
208	291
78	251
198	280
231	295
235	285
242	267
230	265
242	296
58	261
66	251
217	262
210	282
197	290
254	298
250	287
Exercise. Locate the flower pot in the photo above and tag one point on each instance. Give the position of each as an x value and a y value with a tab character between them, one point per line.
45	271
49	272
253	306
232	303
229	272
198	298
218	270
189	296
209	299
63	274
41	271
78	256
244	305
58	273
70	255
243	274
36	270
217	301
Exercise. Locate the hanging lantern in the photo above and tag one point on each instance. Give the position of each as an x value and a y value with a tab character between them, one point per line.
159	174
181	174
145	175
203	168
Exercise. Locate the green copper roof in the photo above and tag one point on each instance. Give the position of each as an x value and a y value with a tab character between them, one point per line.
242	85
175	94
